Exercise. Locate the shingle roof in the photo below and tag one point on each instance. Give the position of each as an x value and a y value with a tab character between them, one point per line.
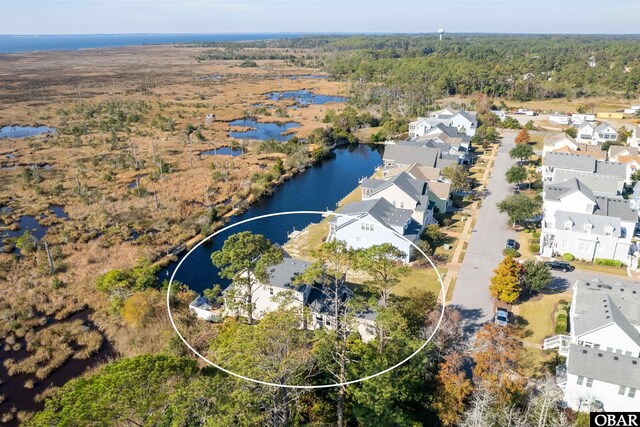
579	220
602	314
558	190
625	296
282	275
408	154
440	189
570	161
611	168
380	209
604	366
417	189
552	140
615	208
599	184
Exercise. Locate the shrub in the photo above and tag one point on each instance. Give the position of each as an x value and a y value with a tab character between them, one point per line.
568	257
527	230
535	234
609	262
561	324
534	247
511	252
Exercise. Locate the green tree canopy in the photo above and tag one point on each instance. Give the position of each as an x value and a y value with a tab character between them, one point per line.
520	207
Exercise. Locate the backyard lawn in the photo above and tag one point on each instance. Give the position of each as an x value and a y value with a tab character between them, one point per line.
536	317
421	278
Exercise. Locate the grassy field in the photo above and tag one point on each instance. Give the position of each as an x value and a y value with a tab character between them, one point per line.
601	268
535	317
421	278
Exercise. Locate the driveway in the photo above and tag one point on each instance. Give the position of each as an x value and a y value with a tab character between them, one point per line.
565	281
484	251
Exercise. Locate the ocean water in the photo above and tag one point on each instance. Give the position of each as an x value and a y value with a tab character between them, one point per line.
28	43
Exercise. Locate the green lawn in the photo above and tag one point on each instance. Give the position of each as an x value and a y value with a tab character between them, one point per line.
620	271
421	278
536	317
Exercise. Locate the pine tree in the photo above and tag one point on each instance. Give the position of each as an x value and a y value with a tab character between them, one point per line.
505	284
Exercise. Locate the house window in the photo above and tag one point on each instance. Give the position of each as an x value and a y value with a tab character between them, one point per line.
608	231
632	392
622	390
589	382
401	205
580	379
568	225
270	291
328	323
366	226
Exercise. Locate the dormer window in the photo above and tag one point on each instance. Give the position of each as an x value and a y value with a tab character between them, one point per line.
568	225
608	231
588	227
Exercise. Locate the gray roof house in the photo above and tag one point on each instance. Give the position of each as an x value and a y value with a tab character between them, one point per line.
602	370
405	154
375	221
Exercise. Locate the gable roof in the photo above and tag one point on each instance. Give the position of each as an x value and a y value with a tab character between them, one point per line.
282	275
602	314
441	189
469	116
605	127
616	169
598	183
622	150
625	296
557	191
604	366
615	208
379	209
560	137
570	161
406	154
599	224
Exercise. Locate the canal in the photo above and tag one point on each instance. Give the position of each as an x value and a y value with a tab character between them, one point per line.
317	189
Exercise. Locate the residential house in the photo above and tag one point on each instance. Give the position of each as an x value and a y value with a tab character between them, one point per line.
465	122
602	350
205	309
578	119
627	156
586	225
402	191
373	222
595	134
634	139
562	119
558	142
406	153
439	189
555	162
280	290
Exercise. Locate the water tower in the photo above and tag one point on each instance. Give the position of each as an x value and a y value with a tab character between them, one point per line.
441	32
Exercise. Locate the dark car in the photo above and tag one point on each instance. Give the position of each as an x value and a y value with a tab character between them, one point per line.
560	265
502	316
512	244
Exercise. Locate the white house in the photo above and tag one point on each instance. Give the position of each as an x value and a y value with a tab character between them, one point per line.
627	156
595	134
205	309
577	221
373	222
558	166
634	139
280	291
402	191
578	119
602	370
465	122
562	119
558	142
439	189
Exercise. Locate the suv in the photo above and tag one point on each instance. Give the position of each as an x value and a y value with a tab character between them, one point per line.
512	244
559	265
502	316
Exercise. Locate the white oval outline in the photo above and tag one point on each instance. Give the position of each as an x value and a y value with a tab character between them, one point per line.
310	387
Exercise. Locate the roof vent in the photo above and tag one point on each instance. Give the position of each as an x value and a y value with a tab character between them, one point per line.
607	317
635	362
599	354
584	351
615	357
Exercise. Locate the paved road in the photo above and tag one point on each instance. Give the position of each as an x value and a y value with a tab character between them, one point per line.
564	281
484	252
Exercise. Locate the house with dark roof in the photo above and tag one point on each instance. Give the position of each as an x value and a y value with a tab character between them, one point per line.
588	225
602	369
406	153
402	191
314	302
375	221
438	188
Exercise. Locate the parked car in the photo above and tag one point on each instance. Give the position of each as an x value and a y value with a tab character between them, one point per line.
502	316
560	265
512	244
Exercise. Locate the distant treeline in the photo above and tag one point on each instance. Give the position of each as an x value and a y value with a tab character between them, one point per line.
410	70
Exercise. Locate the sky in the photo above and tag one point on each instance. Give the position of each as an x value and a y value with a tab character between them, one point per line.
354	16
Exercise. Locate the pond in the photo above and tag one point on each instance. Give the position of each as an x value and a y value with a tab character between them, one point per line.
223	151
263	131
305	97
318	188
23	131
26	222
133	184
58	211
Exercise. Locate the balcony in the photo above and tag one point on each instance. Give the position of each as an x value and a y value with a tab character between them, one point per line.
561	342
561	375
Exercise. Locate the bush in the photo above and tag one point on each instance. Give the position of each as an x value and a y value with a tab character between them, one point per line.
561	323
534	247
527	230
535	234
568	257
511	252
609	262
